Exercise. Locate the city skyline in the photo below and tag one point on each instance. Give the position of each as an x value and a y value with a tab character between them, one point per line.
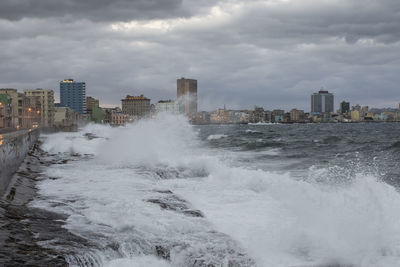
267	53
336	103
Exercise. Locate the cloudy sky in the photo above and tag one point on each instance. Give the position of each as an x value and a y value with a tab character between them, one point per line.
271	53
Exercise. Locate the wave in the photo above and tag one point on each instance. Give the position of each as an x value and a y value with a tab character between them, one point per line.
253	132
331	139
137	190
263	123
396	144
216	136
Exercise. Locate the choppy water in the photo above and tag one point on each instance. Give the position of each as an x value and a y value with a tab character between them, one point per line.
165	193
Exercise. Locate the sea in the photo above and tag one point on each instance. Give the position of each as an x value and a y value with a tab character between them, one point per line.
163	192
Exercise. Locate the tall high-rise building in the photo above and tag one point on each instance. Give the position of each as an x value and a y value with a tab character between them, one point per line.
344	107
45	108
187	95
136	105
73	95
322	102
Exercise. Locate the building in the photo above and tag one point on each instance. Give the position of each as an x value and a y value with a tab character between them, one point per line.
277	115
119	119
5	111
202	117
45	107
168	106
220	116
90	104
322	102
267	116
97	114
21	111
34	111
187	95
257	115
27	113
344	107
297	115
12	95
364	110
355	115
356	107
137	106
64	117
73	95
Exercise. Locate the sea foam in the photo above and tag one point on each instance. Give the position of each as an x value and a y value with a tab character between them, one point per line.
273	218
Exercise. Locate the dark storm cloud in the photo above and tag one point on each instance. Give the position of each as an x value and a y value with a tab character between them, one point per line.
97	10
313	21
243	53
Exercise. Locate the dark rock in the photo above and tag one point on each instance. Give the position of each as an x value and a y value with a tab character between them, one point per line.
163	252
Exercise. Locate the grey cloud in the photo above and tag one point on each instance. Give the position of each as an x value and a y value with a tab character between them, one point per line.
273	56
314	21
97	10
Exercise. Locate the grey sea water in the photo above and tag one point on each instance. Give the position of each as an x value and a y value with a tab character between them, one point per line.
166	193
344	148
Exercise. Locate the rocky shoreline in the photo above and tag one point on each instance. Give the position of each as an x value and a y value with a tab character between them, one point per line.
24	230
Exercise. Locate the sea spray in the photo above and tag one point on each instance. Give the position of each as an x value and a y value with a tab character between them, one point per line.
129	199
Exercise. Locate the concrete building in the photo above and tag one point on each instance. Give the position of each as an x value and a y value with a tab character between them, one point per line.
202	117
267	116
5	111
90	104
2	115
119	119
356	107
168	106
355	115
364	110
19	111
344	107
73	95
13	106
297	115
187	95
322	102
97	115
27	113
277	115
137	106
35	111
220	116
64	117
257	115
46	106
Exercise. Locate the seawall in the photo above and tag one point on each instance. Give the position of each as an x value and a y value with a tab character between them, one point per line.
13	149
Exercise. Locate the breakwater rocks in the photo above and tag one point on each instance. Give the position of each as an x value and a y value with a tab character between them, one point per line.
13	149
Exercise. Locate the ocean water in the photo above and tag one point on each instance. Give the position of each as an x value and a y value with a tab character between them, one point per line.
162	192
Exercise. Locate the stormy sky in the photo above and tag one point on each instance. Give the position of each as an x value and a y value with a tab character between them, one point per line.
271	53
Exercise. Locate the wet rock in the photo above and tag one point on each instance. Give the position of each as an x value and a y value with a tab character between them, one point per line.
90	136
169	201
163	252
11	195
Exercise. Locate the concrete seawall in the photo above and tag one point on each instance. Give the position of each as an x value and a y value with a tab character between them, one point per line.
13	149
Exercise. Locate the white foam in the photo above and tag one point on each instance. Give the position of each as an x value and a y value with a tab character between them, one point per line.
216	136
252	131
278	220
140	261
